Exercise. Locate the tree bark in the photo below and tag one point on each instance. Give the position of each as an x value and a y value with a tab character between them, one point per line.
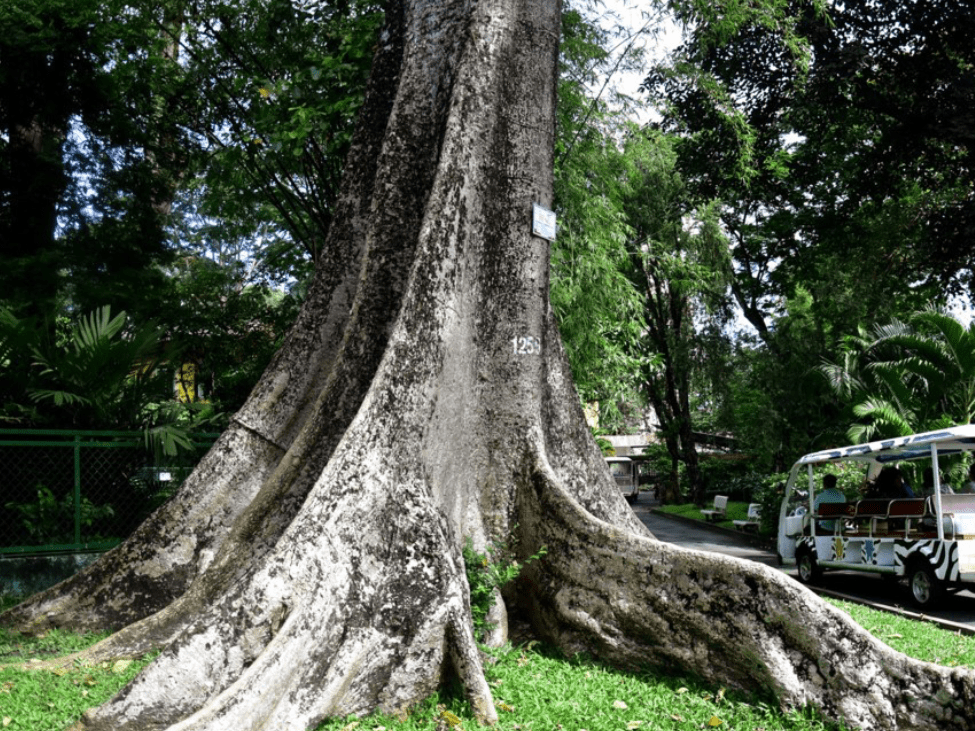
312	566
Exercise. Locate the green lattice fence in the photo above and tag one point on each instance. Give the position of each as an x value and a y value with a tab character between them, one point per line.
63	491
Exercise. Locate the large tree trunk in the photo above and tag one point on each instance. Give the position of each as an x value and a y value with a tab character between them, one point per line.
311	567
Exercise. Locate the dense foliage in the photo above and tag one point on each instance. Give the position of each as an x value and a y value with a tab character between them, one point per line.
837	138
597	306
176	161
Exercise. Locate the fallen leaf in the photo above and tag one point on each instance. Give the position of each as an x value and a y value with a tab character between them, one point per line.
7	720
450	718
619	704
634	725
504	706
120	666
715	721
682	690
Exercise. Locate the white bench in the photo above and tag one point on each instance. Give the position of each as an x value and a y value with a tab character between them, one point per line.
718	510
751	522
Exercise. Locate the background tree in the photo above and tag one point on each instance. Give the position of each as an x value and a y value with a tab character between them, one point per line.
596	306
777	404
679	260
277	86
831	216
226	323
132	139
757	138
84	157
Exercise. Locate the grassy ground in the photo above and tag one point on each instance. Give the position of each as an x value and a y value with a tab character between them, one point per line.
52	700
535	689
922	640
734	511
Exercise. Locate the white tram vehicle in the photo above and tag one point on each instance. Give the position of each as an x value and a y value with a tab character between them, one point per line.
927	539
625	475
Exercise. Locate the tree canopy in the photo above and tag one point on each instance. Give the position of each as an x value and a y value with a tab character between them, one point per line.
884	173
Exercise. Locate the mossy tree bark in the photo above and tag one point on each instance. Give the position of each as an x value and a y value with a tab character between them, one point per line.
311	566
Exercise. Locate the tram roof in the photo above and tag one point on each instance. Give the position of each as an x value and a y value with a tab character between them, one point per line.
951	440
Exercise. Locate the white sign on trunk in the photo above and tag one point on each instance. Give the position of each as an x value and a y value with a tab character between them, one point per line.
543	222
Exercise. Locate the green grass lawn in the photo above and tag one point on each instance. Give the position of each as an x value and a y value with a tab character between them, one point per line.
734	511
53	700
535	689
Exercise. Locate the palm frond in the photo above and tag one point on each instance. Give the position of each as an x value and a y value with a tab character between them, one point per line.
893	329
888	414
97	328
861	433
58	398
167	439
842	380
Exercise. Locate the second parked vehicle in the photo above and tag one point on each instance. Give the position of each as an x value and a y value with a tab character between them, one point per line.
623	470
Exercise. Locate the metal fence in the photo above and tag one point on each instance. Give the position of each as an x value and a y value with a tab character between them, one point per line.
69	491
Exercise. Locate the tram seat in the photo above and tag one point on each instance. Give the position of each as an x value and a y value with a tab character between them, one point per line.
834	510
907	513
909	508
871	515
872	508
827	512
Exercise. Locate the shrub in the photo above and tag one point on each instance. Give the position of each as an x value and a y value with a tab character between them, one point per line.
485	573
49	520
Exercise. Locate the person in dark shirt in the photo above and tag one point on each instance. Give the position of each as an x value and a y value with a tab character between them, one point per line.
890	484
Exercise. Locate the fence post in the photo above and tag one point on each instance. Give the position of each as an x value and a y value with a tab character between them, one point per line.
77	490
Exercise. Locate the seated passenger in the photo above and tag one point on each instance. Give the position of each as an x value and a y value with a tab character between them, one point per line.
890	485
929	485
970	485
829	494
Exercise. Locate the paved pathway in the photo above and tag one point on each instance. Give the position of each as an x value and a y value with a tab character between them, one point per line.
700	538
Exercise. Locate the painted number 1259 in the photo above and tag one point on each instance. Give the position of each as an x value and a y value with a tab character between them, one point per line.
526	345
